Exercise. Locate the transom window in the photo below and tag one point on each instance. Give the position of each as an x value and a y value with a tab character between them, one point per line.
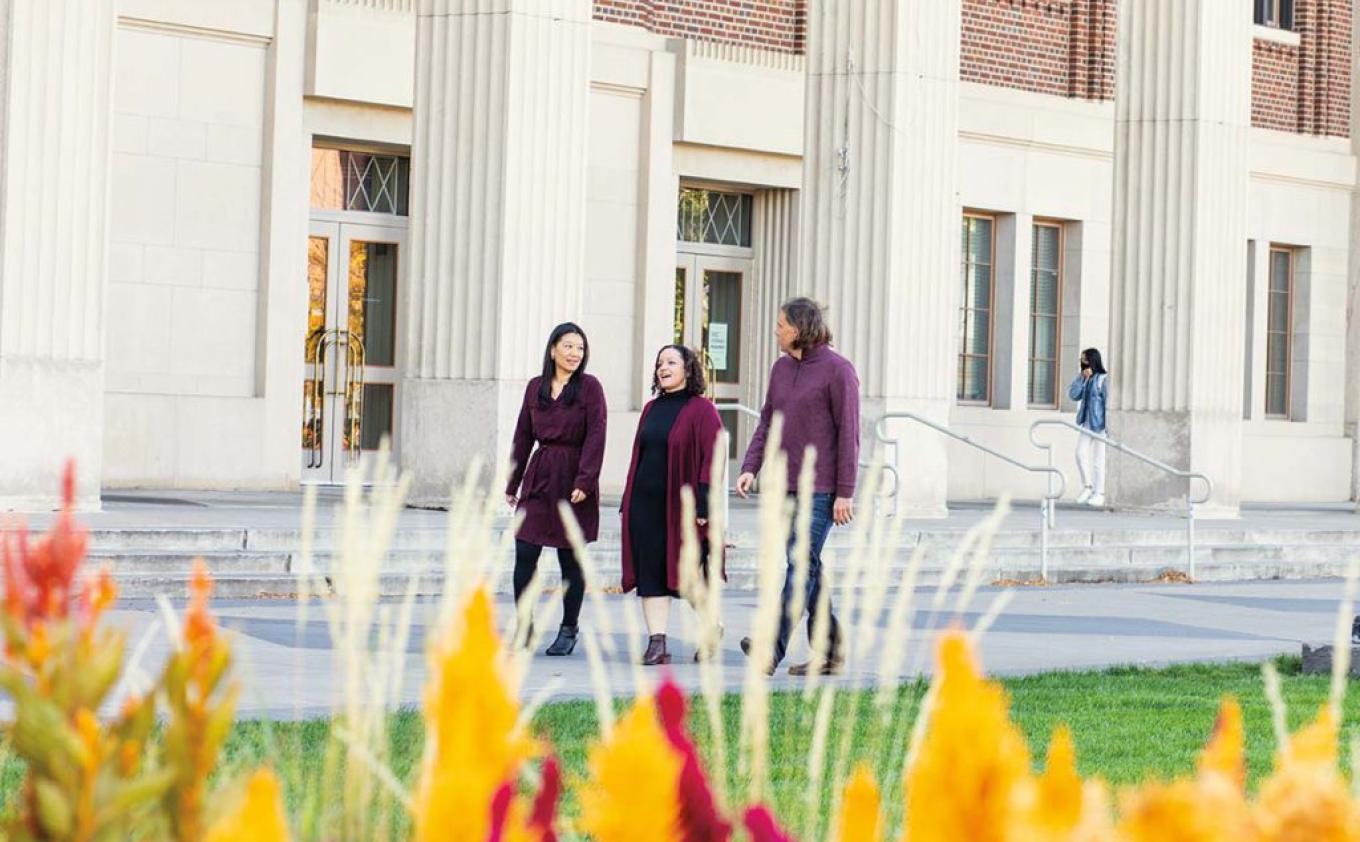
1276	13
975	314
1045	314
360	181
714	217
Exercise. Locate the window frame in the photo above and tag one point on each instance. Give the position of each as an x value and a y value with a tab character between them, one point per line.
962	355
1276	14
1288	333
1040	222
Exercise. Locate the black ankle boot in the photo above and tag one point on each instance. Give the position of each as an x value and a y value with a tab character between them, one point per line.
656	651
565	642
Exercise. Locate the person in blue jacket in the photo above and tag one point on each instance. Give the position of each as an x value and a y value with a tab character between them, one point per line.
1092	389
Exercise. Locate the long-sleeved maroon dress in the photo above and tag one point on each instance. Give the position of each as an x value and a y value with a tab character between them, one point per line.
570	439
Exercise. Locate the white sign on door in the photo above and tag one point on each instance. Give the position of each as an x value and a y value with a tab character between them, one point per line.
717	345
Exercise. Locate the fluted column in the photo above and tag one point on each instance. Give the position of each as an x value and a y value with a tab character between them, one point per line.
1177	302
498	220
880	224
55	71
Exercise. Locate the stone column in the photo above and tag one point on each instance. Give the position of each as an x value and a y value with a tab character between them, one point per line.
497	221
880	215
1177	303
55	72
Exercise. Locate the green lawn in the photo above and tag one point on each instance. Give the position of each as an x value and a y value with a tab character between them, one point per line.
1128	724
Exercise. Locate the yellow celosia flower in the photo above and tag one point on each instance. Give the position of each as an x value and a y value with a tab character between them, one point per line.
1306	798
859	819
1224	753
972	758
1211	806
471	745
1051	805
634	789
257	818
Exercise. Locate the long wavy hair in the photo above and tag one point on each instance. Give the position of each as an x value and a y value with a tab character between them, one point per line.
694	370
573	387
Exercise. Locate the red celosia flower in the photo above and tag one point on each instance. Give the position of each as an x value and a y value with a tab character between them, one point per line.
39	580
545	804
500	811
699	819
761	825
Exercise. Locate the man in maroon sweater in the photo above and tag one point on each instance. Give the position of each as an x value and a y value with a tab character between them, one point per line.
816	391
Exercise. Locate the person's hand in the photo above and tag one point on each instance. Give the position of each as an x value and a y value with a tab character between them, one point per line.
577	495
745	483
512	501
703	521
1086	373
843	510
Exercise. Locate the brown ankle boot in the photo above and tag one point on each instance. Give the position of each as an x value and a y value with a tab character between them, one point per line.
656	651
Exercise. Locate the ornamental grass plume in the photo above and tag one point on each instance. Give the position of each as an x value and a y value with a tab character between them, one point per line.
1306	798
972	759
634	787
472	745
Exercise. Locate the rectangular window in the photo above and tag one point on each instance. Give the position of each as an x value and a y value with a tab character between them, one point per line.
975	314
1279	332
1045	314
1276	13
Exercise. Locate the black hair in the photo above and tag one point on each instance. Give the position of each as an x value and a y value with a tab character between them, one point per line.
1093	361
573	387
694	370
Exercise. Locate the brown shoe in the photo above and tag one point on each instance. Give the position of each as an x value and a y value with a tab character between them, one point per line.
656	651
833	667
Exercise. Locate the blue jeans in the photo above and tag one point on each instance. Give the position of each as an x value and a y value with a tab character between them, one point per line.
822	503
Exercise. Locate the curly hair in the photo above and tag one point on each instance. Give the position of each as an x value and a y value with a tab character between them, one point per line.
694	370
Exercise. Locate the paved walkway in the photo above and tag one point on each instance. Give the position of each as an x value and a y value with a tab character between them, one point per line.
289	669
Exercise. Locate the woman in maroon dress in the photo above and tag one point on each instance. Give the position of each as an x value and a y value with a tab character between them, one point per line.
673	449
564	414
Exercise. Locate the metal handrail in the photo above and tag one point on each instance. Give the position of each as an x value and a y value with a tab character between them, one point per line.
1048	501
314	403
1189	476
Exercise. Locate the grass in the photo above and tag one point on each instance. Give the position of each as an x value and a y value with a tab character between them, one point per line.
1129	724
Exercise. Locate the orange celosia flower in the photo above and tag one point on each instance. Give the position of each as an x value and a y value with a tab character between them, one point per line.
471	745
634	782
859	820
258	817
1224	753
1051	804
972	758
1306	799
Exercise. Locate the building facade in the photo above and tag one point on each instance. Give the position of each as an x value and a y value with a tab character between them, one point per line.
242	244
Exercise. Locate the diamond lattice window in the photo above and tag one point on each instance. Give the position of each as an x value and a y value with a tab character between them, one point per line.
360	181
710	216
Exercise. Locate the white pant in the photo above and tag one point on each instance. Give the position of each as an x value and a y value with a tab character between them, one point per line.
1091	463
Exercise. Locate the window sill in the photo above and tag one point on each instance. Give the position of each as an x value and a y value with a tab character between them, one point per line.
1276	35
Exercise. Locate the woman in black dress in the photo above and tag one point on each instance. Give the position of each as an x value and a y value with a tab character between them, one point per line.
564	413
673	449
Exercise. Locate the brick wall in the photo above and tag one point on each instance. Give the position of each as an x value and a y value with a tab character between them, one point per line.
1306	89
770	24
1060	47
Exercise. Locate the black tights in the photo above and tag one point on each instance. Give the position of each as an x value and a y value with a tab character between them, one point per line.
526	564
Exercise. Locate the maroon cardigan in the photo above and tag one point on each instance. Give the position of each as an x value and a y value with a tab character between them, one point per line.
688	463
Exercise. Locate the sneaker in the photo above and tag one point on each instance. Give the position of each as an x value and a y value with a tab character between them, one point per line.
1097	501
746	650
1085	494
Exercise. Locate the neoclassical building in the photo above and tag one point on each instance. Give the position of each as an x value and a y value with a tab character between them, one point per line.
242	242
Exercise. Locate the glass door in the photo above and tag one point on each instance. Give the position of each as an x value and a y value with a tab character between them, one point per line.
708	317
349	391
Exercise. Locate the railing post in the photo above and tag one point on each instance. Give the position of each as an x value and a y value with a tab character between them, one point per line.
1044	512
1190	529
